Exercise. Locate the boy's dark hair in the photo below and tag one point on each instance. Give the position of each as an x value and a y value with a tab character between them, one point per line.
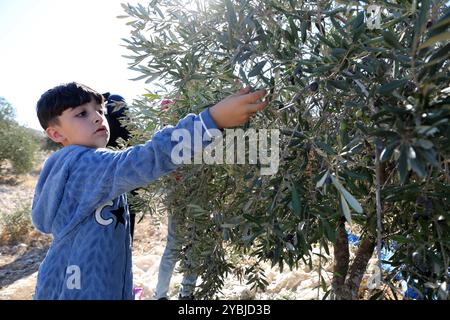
66	96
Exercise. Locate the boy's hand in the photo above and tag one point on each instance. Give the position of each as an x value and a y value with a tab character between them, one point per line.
238	108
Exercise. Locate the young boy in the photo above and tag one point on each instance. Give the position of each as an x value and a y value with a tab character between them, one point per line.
79	197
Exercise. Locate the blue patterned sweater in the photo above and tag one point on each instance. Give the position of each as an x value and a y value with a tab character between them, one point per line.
80	200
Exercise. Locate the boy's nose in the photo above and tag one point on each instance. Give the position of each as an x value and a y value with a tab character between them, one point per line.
97	117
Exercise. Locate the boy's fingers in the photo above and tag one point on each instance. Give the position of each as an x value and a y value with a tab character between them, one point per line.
253	108
243	91
255	96
238	83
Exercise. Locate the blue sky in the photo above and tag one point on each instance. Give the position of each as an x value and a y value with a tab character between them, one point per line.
44	43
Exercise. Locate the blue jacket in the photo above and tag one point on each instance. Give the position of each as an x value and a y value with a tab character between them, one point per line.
79	199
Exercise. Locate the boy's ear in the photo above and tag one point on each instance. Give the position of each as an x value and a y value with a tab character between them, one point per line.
55	134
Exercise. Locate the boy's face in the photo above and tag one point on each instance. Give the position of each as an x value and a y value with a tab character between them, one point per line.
84	125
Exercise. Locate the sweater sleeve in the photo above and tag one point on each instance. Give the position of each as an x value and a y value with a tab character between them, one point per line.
101	175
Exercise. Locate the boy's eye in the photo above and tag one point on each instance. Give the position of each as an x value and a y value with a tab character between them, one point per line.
81	114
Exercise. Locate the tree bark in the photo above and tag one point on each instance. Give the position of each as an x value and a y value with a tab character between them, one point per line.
341	262
359	266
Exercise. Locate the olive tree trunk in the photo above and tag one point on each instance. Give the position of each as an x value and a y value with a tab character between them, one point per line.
347	280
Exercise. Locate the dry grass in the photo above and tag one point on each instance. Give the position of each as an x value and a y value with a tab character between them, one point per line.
17	192
16	227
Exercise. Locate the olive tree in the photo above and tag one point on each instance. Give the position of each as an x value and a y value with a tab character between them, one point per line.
362	108
17	144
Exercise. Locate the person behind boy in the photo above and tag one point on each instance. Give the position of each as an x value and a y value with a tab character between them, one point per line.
80	194
116	108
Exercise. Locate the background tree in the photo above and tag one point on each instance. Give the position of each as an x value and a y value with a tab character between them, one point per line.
17	144
364	116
